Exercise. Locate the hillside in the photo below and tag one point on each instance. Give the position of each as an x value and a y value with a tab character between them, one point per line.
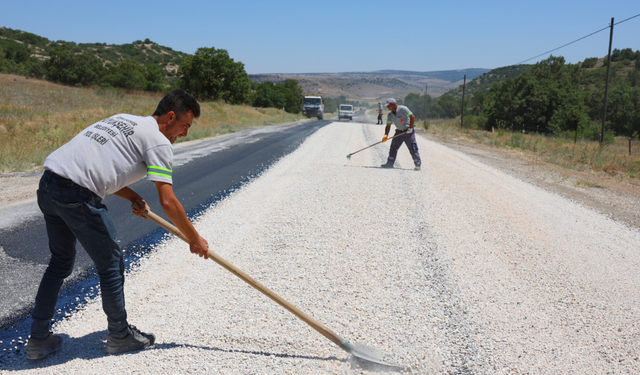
375	86
143	52
19	46
624	63
486	80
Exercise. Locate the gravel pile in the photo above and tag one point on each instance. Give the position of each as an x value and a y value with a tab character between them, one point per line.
458	268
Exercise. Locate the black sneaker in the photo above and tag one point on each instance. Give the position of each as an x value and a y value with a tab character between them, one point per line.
37	349
134	340
386	165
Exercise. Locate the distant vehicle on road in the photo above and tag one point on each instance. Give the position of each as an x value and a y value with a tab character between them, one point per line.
345	111
313	106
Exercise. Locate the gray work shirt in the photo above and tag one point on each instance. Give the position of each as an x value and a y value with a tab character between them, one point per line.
400	118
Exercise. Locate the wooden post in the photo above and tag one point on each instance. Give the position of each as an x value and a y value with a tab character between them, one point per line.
464	83
606	86
426	89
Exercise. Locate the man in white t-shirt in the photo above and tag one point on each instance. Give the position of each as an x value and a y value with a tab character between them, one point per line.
404	120
104	159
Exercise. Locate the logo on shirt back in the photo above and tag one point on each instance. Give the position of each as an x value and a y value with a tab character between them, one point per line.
400	120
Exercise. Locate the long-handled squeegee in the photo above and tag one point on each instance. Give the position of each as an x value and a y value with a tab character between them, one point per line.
358	350
362	149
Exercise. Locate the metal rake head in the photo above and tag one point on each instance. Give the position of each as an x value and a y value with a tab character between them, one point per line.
367	353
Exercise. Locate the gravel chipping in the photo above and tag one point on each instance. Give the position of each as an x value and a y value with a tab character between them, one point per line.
458	268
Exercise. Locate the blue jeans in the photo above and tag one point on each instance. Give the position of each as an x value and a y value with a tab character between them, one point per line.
412	145
72	212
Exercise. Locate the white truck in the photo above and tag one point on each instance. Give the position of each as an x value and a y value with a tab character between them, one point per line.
345	111
313	106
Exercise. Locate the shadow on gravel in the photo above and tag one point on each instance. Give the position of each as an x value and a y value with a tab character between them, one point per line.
355	362
266	354
87	347
359	364
374	167
92	346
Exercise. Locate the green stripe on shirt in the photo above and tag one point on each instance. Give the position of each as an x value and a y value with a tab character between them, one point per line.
160	174
159	171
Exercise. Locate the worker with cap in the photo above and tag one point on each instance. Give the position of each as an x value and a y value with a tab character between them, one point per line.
403	119
379	114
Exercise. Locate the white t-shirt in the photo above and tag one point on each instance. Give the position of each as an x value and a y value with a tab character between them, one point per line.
114	153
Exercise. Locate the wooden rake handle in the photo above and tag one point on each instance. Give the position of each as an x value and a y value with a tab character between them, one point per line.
326	332
362	149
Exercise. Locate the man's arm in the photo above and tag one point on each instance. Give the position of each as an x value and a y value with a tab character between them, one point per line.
412	119
176	214
132	197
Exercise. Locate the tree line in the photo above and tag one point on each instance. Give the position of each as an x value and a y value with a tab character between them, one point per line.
209	74
553	97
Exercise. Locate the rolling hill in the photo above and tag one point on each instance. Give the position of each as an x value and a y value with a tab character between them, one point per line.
377	85
357	86
144	52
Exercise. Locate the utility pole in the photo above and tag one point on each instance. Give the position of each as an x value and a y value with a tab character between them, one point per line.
464	83
606	86
426	101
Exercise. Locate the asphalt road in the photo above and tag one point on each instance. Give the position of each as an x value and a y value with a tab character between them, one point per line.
203	173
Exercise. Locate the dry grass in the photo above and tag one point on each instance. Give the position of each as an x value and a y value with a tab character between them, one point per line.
613	159
37	117
587	184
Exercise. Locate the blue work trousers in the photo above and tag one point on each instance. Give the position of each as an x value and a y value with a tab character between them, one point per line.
410	141
72	212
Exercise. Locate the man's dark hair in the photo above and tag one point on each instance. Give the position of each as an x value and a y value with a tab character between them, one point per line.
178	101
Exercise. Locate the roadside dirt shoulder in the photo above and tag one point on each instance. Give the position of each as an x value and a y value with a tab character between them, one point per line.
614	196
17	188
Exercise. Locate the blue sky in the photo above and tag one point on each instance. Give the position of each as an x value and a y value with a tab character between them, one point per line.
342	36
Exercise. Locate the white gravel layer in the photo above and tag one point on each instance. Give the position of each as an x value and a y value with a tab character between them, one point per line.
457	268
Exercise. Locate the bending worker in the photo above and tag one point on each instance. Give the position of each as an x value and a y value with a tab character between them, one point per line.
404	120
103	159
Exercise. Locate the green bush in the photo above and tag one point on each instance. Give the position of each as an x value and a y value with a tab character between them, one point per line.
211	74
590	62
127	75
592	132
75	70
426	124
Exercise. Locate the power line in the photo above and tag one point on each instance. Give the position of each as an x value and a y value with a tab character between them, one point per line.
637	15
586	36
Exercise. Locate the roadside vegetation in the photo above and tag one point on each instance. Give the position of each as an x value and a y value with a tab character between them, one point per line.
210	74
549	97
612	158
37	117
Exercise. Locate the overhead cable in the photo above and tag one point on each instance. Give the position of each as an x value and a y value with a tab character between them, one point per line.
586	36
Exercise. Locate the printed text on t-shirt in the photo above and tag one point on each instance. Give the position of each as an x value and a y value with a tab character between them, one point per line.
124	125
